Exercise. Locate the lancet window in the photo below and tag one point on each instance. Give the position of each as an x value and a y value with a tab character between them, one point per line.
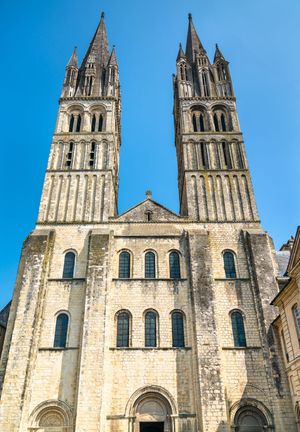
61	331
238	329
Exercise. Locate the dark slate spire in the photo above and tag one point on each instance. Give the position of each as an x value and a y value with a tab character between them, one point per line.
193	43
99	45
113	58
73	62
218	54
181	54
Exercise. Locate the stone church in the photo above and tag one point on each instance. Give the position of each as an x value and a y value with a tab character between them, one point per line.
145	321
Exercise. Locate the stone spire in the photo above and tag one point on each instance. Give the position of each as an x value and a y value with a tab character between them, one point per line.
98	45
218	54
193	43
113	58
93	70
181	54
73	62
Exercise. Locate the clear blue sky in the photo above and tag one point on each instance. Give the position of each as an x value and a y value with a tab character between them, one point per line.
260	38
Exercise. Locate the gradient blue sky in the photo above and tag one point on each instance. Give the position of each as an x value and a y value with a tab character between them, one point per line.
260	38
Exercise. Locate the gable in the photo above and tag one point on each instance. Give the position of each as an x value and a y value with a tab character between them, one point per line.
295	254
148	211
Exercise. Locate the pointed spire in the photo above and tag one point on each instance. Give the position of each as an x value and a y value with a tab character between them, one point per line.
99	45
181	54
73	59
113	58
193	43
218	54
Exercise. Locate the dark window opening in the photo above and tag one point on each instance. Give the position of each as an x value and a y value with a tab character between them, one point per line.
150	329
174	262
78	126
94	123
216	123
238	329
61	331
204	156
226	155
100	125
229	265
71	126
150	265
124	265
92	154
223	124
177	330
69	265
123	330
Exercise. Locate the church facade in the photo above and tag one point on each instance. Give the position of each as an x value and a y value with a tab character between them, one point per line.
145	321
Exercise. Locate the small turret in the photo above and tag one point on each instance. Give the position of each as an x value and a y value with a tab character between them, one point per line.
70	76
222	74
113	75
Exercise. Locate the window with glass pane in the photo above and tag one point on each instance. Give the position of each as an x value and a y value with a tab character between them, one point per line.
69	265
174	265
150	329
238	329
177	330
61	331
229	265
124	265
123	330
150	265
296	313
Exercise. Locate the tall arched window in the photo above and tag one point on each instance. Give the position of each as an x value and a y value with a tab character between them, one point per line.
226	155
174	263
123	322
238	329
71	124
229	265
223	123
194	123
124	265
92	155
69	265
78	125
296	314
93	123
201	123
216	123
177	330
150	265
61	331
151	329
203	154
100	125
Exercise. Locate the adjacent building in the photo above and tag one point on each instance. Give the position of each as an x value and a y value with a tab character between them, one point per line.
146	321
288	323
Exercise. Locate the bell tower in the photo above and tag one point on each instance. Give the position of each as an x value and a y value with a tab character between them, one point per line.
213	176
81	183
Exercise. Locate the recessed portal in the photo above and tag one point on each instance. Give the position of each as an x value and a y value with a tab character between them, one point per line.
152	427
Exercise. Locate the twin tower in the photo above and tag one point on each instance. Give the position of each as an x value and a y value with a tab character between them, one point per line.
82	177
145	321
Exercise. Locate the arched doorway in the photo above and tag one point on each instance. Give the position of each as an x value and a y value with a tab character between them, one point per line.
250	419
152	413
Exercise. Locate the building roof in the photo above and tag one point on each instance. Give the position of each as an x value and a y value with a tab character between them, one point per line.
282	258
4	314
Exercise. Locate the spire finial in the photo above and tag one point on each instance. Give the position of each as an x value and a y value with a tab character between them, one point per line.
102	14
190	16
148	193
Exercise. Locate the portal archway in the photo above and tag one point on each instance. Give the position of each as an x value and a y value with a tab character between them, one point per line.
151	411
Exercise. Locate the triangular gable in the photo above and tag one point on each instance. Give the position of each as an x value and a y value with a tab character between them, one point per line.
148	211
295	254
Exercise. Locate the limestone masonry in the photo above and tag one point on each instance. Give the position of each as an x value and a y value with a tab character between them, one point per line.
145	321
